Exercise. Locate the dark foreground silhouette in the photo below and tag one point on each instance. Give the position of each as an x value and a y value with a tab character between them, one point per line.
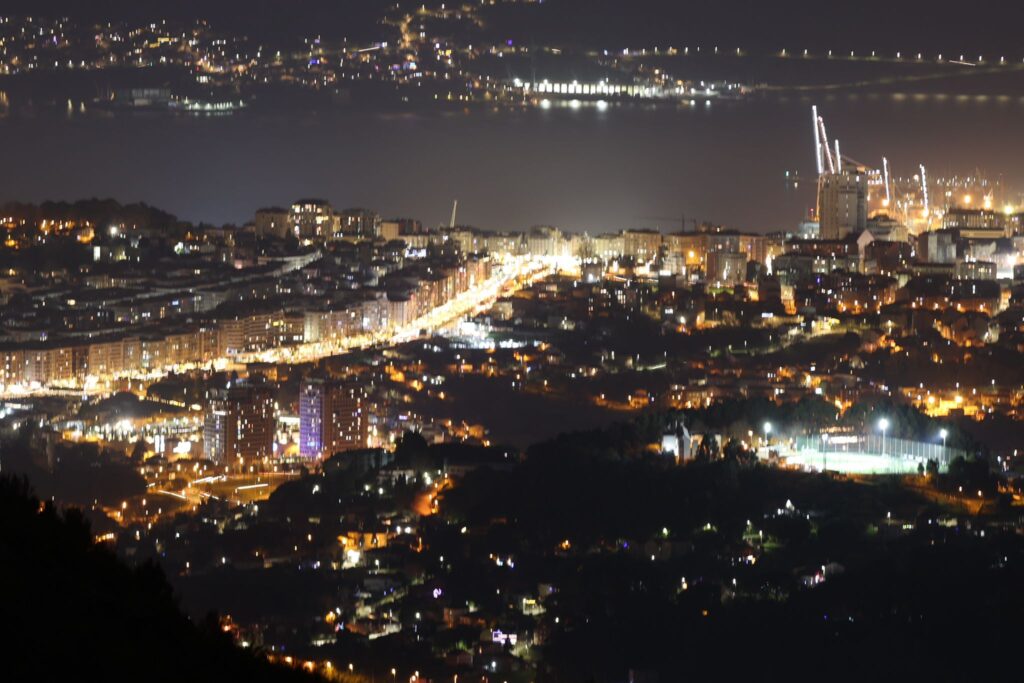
73	611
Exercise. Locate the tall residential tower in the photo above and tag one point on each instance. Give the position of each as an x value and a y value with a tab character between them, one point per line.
332	417
240	424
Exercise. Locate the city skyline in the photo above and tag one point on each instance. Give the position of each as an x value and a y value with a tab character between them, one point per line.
531	341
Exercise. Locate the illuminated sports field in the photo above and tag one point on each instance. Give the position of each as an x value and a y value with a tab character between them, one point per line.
862	454
851	462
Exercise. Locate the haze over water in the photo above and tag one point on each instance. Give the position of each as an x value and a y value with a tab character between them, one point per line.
584	169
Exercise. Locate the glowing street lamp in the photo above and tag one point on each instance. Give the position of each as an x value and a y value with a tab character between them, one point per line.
943	434
767	431
883	425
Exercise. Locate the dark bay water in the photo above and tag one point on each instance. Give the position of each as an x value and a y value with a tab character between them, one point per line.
581	169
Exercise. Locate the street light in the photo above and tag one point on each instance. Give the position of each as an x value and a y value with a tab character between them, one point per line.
883	425
943	434
767	431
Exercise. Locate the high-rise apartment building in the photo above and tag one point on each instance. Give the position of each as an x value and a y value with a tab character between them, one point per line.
240	424
842	203
314	219
360	223
272	222
332	417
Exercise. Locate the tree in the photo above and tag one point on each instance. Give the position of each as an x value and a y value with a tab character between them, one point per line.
736	451
708	449
138	451
79	606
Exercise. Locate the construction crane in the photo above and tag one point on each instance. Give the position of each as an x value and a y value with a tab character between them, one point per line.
817	141
829	157
885	171
924	190
824	146
826	156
